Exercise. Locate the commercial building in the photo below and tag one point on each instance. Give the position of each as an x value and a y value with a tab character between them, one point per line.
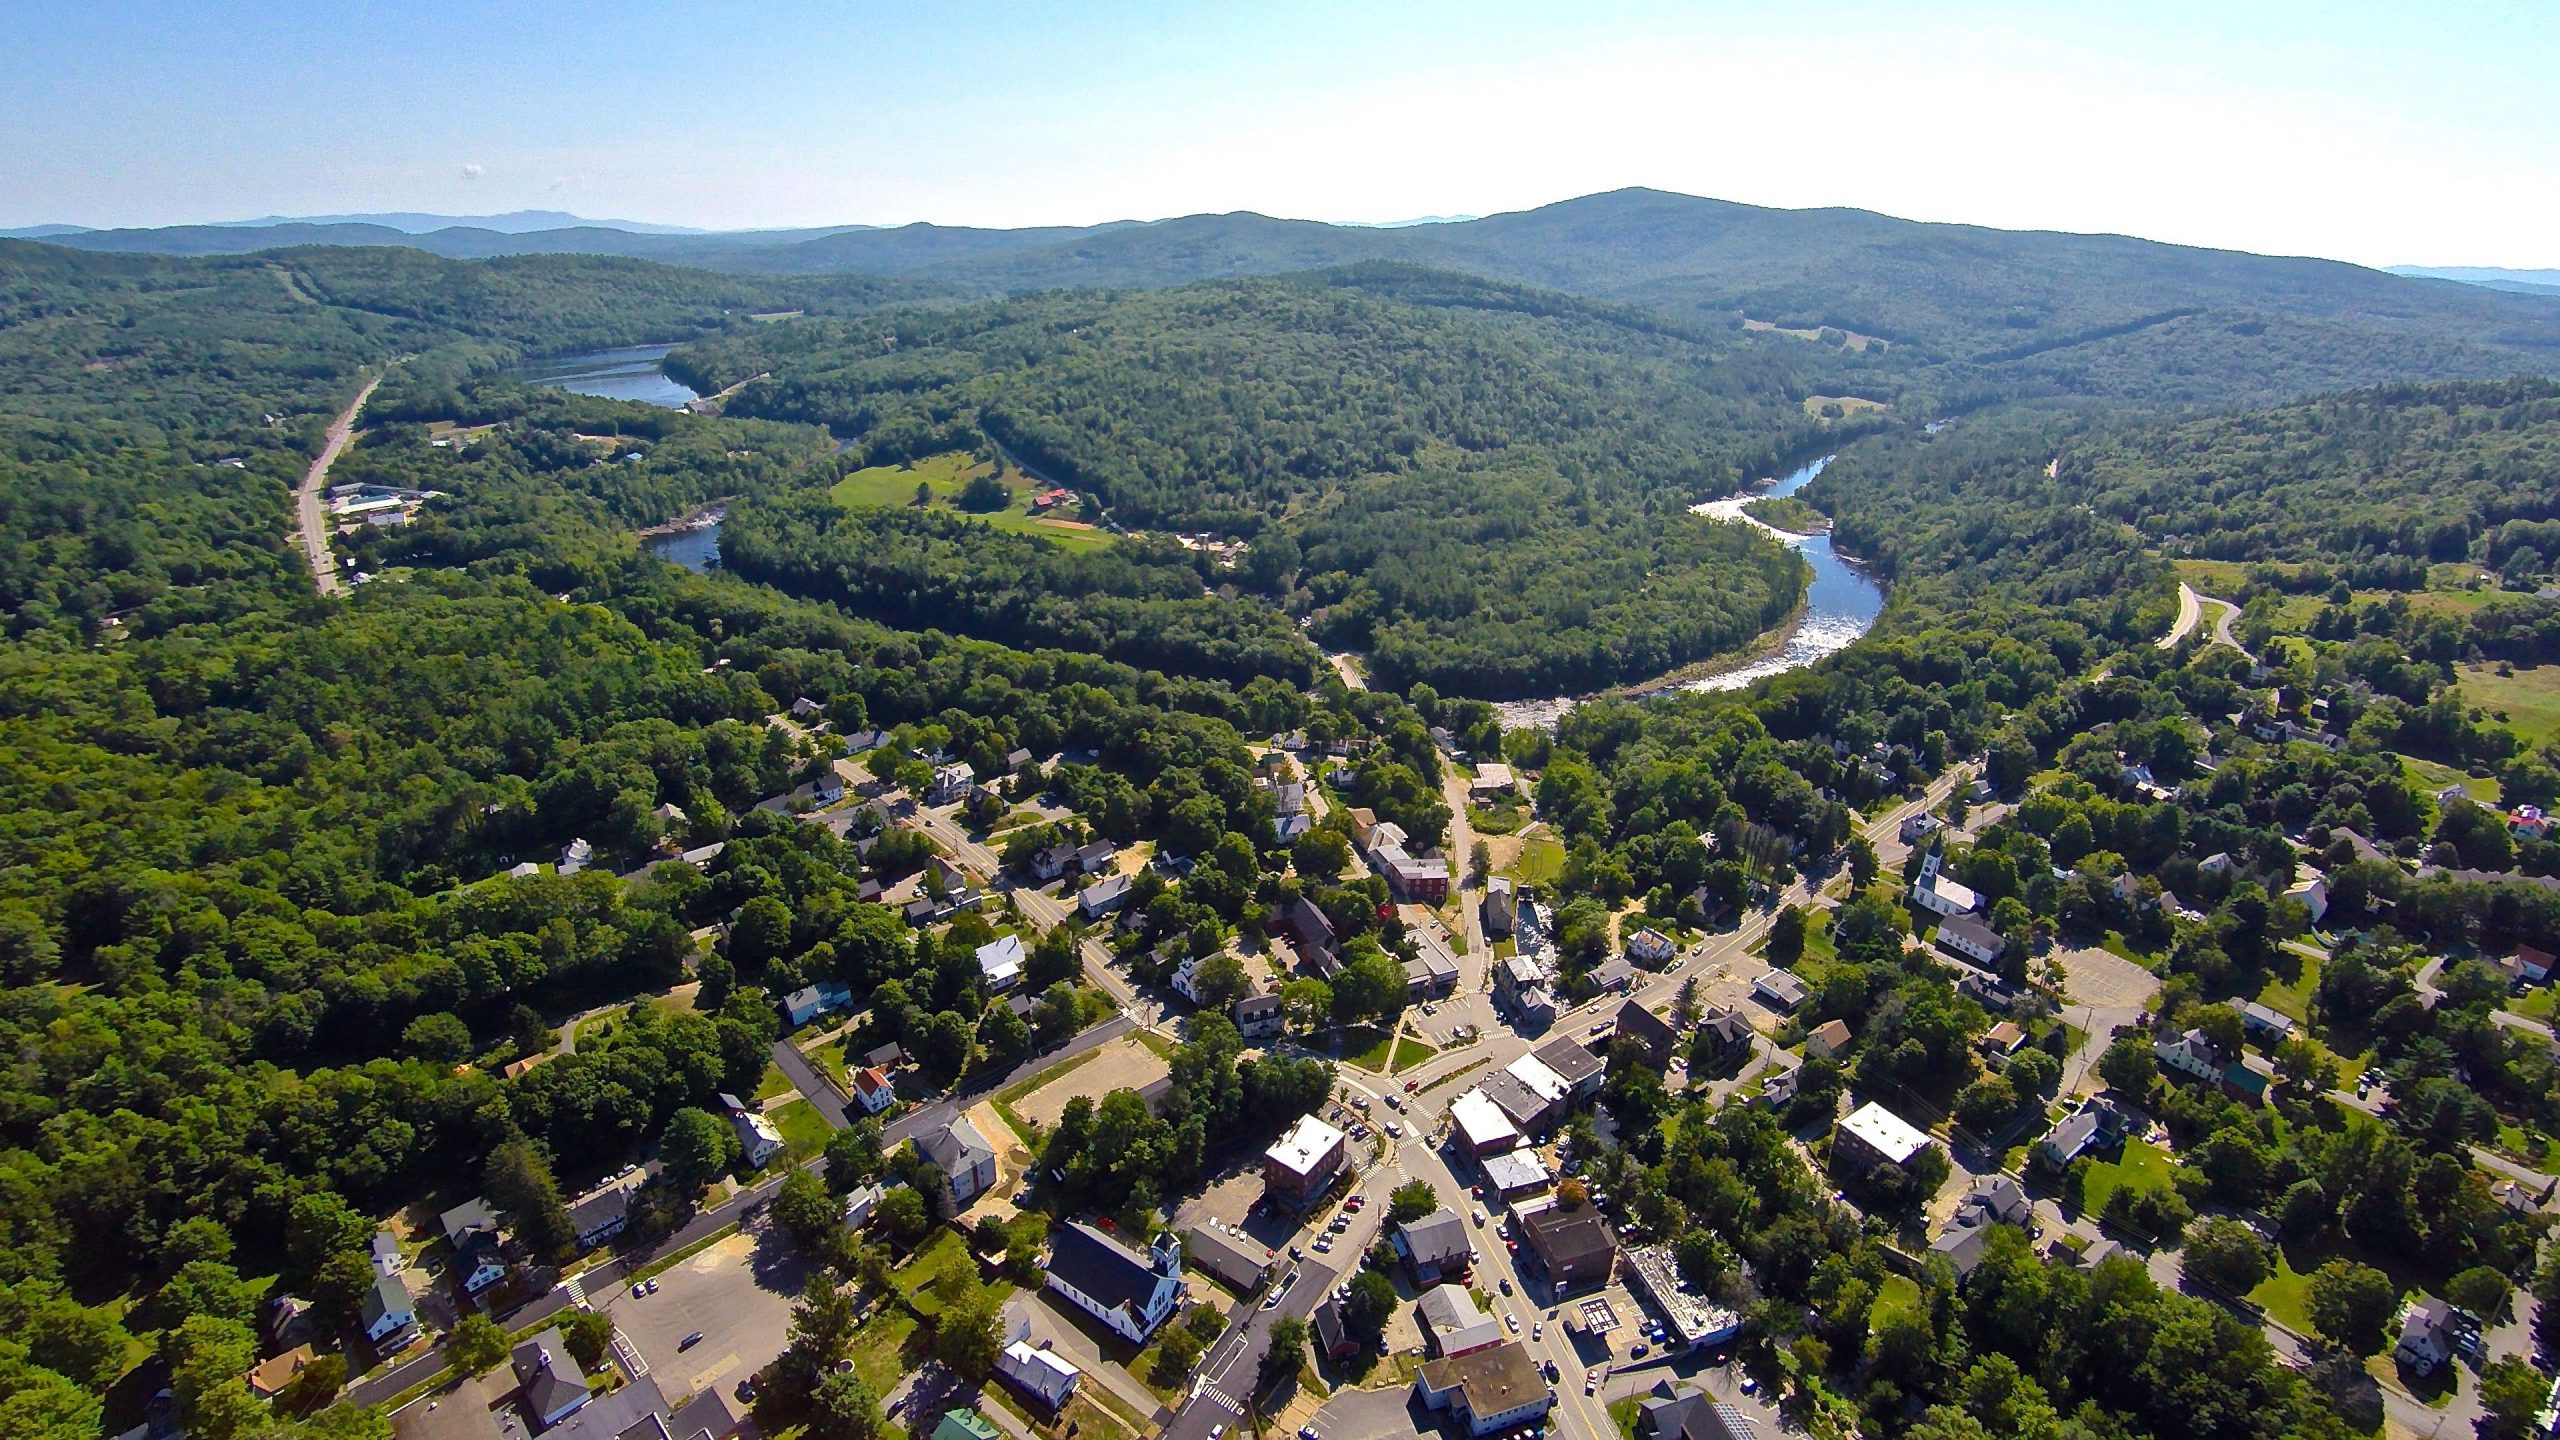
1301	1164
1435	1246
1486	1391
1575	1245
1451	1324
1579	1069
1480	1124
1498	911
1691	1320
1239	1261
1780	990
1516	1172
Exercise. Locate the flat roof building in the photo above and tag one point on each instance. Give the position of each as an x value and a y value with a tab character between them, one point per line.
1873	1135
1303	1162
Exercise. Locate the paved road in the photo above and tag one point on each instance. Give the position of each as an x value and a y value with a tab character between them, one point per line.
815	1085
313	523
2189	613
932	1116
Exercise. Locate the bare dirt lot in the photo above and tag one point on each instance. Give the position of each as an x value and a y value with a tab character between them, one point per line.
1124	1064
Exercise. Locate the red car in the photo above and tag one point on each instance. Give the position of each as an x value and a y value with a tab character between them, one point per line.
1412	1085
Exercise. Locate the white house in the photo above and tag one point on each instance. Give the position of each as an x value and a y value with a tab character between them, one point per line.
756	1134
2314	895
479	1256
2190	1054
811	1001
871	1086
963	1155
1038	1373
1102	897
387	1259
390	1315
1651	947
575	855
1969	937
1000	961
859	1205
950	782
1129	1291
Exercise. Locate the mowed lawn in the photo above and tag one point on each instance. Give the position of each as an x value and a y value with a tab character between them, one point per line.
2143	1166
2529	699
942	475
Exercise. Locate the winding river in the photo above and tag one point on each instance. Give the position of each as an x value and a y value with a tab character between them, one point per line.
1840	605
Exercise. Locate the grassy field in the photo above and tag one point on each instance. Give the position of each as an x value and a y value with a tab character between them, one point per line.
772	1082
2144	1167
2433	777
804	1130
2528	700
1372	1054
1849	404
1897	1293
1411	1052
2286	1294
879	1347
942	476
2293	999
1541	858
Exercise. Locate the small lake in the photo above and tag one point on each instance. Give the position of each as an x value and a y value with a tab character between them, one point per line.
630	373
697	550
1840	605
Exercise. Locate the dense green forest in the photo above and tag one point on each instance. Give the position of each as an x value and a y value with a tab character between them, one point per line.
266	972
1483	486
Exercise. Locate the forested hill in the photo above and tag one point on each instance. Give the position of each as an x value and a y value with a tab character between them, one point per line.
1483	486
2080	314
210	346
1224	405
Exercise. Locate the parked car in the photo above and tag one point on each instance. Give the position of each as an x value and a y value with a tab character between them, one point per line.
638	1289
1506	1285
1640	1350
690	1341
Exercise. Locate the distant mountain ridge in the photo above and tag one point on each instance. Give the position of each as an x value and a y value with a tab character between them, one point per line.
2074	314
513	222
2529	282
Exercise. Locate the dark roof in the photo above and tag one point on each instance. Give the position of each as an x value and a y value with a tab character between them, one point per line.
1514	1097
705	1413
1331	1333
1101	1267
602	1208
1656	1033
1728	1026
550	1376
1693	1414
1239	1263
1564	1236
1567	1057
1436	1236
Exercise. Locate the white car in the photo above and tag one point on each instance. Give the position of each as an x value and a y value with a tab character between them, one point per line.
1538	1331
1514	1322
1479	1217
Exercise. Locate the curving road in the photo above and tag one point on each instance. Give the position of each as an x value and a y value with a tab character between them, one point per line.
313	523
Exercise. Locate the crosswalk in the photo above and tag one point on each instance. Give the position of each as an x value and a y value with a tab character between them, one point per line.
1222	1399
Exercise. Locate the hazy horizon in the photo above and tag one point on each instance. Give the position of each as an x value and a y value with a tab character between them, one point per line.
2360	132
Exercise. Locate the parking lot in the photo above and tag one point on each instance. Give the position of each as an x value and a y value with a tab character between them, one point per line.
738	1293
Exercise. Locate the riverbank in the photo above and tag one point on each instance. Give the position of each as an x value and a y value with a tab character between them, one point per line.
701	518
1838	605
1698	675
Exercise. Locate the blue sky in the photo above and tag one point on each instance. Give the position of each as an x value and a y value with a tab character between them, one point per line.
2373	132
